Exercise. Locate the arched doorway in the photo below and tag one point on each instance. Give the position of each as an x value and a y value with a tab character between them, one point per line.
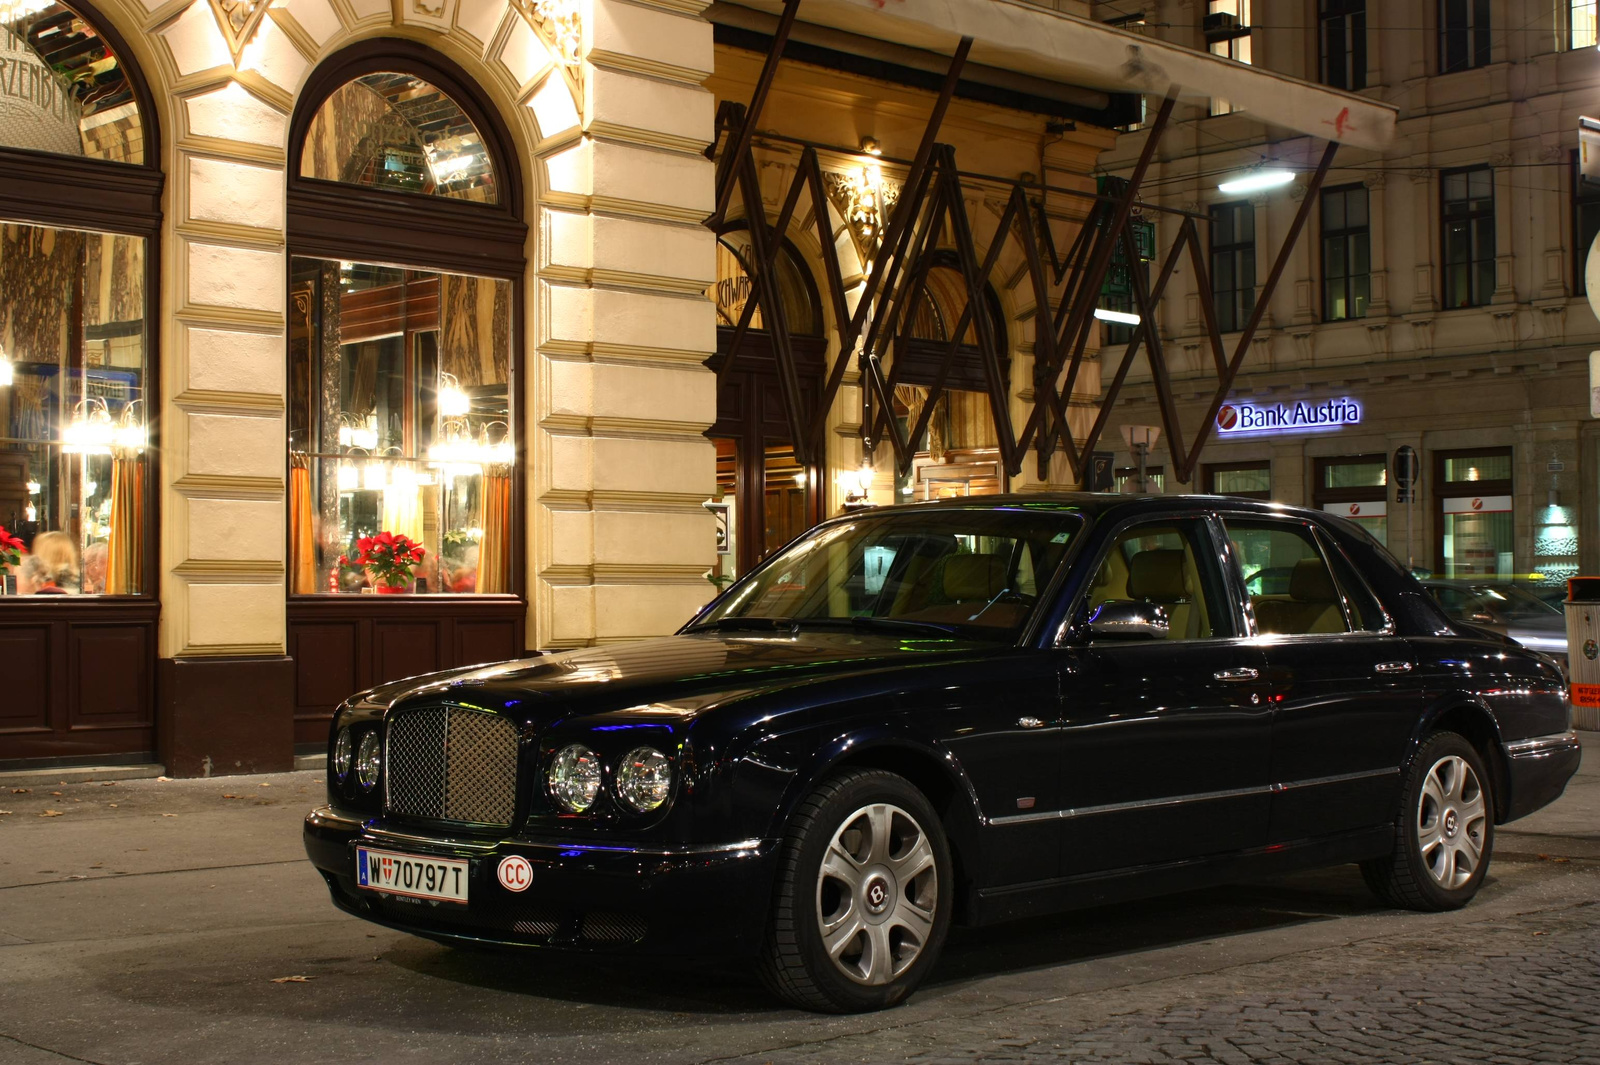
405	343
80	218
765	496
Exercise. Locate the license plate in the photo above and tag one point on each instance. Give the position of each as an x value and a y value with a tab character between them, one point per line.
438	879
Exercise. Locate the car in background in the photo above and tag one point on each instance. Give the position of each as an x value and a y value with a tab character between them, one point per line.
1511	608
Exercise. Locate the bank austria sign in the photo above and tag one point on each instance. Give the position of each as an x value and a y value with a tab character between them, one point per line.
1299	416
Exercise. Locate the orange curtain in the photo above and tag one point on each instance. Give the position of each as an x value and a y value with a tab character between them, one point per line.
494	550
125	552
302	551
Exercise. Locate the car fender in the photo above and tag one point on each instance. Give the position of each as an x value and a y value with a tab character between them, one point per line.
1467	713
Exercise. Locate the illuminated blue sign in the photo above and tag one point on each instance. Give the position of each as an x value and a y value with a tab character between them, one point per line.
1236	419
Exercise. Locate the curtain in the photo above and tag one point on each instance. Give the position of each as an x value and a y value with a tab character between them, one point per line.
494	550
402	511
125	554
302	548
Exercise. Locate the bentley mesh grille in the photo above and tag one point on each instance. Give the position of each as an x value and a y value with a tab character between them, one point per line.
449	764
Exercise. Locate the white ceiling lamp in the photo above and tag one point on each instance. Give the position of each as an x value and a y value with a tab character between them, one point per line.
1257	181
1118	317
453	400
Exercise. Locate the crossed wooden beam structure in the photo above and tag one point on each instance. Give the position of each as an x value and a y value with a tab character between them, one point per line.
931	215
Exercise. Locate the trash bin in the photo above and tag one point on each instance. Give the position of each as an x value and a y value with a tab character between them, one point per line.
1583	650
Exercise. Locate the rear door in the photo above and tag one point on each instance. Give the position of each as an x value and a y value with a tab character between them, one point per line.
1339	681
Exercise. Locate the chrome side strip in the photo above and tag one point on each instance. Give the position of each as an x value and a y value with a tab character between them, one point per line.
1542	744
1203	796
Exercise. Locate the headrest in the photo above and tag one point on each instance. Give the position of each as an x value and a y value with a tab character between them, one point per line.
1310	582
969	577
1159	576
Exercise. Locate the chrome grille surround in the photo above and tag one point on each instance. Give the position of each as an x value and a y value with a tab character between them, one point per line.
448	763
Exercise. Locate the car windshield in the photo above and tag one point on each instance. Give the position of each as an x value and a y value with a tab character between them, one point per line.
968	572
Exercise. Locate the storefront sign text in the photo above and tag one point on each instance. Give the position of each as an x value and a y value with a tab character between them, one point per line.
1297	417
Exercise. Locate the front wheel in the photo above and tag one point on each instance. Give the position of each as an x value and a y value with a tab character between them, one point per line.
863	897
1444	835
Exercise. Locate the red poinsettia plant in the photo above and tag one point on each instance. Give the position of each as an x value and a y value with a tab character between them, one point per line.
10	548
388	559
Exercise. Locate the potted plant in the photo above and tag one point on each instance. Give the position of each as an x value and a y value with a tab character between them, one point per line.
10	554
389	560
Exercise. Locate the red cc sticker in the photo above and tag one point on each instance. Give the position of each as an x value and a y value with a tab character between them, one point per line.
515	873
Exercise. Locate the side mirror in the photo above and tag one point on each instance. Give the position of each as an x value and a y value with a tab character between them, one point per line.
1129	621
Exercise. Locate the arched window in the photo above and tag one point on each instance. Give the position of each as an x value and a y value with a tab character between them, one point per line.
734	288
80	217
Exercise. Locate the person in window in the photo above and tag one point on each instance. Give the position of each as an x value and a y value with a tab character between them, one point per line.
52	568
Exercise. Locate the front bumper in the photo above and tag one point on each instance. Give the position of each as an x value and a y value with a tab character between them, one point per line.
706	901
1539	769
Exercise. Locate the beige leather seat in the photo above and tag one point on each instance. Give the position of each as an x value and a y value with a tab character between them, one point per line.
1165	578
972	578
1312	605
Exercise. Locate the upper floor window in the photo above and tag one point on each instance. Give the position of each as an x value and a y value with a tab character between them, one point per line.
1468	224
1344	43
1582	30
62	87
1227	30
1346	253
1463	34
1233	264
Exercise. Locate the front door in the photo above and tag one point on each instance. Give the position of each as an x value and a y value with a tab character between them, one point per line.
1166	740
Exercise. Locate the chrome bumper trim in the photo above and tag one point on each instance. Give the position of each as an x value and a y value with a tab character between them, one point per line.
325	816
1538	745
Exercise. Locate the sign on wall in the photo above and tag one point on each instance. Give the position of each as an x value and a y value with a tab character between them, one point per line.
1237	419
1371	509
1477	505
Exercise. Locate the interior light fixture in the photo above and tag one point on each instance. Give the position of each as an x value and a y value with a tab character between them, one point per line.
7	372
90	432
453	401
33	488
1119	317
130	434
1257	180
870	146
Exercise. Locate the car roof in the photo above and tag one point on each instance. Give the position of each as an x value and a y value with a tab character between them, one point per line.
1104	504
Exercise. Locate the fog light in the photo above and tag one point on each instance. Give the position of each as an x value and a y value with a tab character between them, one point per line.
369	760
644	779
343	754
574	778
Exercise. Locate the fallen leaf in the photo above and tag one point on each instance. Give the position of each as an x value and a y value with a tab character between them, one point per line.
55	793
230	796
291	979
112	805
77	876
163	778
169	815
1541	933
51	813
20	791
264	784
109	784
4	811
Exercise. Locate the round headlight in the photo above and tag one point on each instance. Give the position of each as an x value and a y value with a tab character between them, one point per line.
644	779
574	778
369	759
344	751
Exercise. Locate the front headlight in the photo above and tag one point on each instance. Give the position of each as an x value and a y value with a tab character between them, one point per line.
574	778
369	759
343	754
644	779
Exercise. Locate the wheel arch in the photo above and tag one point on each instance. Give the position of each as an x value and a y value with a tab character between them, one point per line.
1474	721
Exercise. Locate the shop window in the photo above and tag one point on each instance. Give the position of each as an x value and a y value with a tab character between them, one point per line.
1356	488
72	394
1585	224
1346	253
1343	25
1233	264
1473	508
1126	479
1468	224
65	90
1581	25
1463	34
395	131
1251	480
1228	35
402	412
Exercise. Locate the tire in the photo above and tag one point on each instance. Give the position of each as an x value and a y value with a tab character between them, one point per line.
1444	832
864	869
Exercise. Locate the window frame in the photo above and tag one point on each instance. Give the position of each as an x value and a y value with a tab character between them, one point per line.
336	221
1233	323
1344	233
1479	52
45	189
1443	489
1211	469
1475	299
1354	55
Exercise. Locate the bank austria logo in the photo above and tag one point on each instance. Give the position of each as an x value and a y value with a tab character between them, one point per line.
1296	417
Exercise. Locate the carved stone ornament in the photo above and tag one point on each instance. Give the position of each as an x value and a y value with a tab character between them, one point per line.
559	24
864	198
239	20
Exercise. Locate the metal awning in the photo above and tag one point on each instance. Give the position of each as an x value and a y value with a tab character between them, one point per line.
1055	47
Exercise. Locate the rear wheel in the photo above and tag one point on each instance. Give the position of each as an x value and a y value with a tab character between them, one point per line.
1444	835
863	896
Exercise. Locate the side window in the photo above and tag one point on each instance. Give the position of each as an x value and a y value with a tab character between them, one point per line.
1167	564
1290	586
1365	610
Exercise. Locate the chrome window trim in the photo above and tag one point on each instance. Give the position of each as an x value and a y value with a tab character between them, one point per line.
1537	745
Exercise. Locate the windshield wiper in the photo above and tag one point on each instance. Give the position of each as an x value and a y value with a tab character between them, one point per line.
751	624
873	624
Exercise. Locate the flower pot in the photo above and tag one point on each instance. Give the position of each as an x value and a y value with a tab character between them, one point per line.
389	589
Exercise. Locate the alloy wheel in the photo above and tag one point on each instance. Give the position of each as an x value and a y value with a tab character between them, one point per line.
877	893
1451	822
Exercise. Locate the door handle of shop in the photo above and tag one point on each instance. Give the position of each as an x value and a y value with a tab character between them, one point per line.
1392	667
1241	674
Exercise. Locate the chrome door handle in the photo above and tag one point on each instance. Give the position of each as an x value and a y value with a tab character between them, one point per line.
1244	673
1392	667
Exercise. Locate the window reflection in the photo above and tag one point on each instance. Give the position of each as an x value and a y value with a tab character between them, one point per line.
62	88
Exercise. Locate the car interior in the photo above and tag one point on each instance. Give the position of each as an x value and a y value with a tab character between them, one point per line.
1310	603
1156	565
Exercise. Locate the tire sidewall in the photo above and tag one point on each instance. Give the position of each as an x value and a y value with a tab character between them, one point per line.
1437	746
813	845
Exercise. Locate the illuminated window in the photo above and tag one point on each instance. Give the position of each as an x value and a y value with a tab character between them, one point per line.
1224	23
1581	25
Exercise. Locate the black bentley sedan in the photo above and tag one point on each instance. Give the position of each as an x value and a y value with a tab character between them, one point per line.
970	711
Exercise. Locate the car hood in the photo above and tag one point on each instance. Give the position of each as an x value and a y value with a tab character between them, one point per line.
683	673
